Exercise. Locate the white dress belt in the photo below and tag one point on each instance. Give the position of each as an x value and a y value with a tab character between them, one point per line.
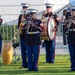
72	30
36	32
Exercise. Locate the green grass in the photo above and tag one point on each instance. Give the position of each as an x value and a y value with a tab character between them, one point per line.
60	67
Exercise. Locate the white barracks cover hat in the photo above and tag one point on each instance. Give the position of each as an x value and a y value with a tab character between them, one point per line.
48	5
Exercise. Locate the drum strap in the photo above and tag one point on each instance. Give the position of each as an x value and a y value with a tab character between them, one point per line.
47	26
53	19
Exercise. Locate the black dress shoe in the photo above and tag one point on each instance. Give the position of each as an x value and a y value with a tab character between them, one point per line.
35	70
29	70
50	62
71	71
47	62
24	67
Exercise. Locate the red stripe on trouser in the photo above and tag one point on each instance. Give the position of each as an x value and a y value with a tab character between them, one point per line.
55	45
38	56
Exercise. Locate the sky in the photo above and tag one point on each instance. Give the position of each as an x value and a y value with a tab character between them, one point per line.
10	9
72	2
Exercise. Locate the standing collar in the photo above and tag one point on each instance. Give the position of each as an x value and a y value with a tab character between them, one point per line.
50	14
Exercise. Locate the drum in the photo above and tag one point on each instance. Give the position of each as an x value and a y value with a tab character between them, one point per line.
44	34
49	24
7	52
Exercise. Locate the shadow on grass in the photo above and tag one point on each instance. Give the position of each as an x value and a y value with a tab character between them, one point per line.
12	71
23	71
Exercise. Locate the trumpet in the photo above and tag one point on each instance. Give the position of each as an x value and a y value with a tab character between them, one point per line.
69	22
29	22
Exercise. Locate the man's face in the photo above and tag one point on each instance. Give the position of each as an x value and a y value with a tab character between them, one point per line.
74	13
24	8
34	16
49	10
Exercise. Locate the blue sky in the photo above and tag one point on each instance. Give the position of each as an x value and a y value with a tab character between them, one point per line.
72	2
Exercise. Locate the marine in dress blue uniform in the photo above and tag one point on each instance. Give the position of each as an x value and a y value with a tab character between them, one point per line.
63	26
50	44
22	37
71	39
33	41
68	15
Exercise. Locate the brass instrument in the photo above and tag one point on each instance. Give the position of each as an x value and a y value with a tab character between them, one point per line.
73	24
29	22
44	34
29	19
23	21
43	14
69	22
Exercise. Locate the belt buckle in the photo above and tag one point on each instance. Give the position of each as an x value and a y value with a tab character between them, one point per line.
31	32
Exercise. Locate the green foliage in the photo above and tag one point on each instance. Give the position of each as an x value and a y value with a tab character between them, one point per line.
9	32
